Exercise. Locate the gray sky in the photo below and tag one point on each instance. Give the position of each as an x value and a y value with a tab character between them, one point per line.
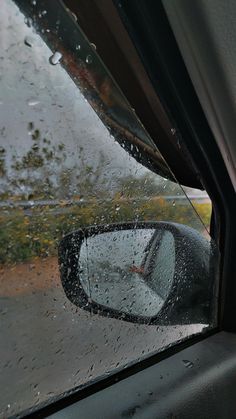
33	90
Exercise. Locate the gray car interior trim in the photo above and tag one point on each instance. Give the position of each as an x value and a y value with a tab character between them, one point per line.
206	36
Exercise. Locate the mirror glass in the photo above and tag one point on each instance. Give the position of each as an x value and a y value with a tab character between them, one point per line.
128	270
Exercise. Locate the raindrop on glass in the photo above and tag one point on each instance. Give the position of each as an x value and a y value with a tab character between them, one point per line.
55	58
33	102
43	13
28	21
28	41
187	364
89	59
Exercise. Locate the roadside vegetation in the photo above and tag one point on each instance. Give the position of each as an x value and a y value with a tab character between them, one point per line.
23	237
78	196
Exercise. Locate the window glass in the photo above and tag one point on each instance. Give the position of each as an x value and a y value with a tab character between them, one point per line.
62	169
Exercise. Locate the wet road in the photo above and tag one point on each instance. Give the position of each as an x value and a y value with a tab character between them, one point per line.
48	346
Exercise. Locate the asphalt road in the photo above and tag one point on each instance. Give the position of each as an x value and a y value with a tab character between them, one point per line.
49	346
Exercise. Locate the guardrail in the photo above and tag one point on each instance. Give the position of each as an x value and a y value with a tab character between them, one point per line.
71	202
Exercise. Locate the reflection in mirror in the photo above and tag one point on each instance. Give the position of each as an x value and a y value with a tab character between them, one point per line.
129	270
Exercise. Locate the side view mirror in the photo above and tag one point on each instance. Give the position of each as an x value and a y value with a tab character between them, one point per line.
155	273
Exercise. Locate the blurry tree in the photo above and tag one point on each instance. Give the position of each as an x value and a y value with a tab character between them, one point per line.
92	180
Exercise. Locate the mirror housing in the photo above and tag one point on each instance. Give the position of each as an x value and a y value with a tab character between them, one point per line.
192	295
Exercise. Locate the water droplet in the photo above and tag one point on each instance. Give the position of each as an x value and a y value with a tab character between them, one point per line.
28	41
78	47
173	131
173	203
33	102
117	207
28	21
93	45
43	13
89	59
187	364
55	58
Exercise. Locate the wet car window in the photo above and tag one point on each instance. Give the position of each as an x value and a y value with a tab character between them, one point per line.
63	169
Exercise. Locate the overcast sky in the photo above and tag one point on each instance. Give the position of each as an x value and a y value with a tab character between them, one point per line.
33	90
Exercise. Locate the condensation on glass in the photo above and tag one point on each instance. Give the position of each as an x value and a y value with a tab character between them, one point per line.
62	169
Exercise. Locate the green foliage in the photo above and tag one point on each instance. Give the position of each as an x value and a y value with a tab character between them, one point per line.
25	237
32	160
35	157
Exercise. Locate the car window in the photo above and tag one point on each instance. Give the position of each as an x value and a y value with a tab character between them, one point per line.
63	169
